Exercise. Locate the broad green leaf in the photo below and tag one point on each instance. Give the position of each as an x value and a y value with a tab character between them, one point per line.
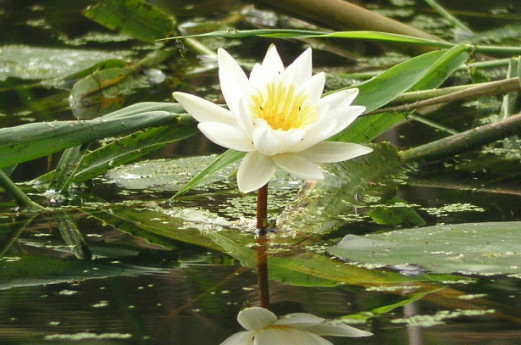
383	88
136	18
424	71
96	82
440	70
29	141
367	128
221	162
473	248
48	63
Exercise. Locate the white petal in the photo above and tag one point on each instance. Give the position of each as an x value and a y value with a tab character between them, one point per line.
340	99
315	134
272	64
336	329
266	142
288	336
203	110
345	116
313	87
270	142
330	152
232	78
324	128
243	118
256	318
254	172
257	76
299	318
227	136
240	338
298	166
314	324
300	70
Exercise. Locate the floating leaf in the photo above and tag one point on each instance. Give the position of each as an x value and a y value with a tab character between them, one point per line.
474	248
35	63
165	175
136	18
218	164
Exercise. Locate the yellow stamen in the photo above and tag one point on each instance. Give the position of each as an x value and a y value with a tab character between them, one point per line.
281	108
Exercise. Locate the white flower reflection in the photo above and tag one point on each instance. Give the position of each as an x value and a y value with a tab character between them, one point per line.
264	328
278	117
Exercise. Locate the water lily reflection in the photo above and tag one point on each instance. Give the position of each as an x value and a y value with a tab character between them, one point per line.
264	328
278	117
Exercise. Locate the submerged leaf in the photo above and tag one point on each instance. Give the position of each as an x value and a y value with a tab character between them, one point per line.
323	206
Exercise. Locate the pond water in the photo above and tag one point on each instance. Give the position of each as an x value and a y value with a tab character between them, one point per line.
120	262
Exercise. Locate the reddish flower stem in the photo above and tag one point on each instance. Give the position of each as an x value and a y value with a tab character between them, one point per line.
262	246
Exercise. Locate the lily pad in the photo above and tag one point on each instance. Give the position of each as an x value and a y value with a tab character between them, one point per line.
36	63
473	248
165	175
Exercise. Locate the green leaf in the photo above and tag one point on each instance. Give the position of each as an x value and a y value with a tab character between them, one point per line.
136	18
130	148
222	161
68	164
290	33
474	248
442	68
97	81
35	63
425	71
366	128
165	175
30	141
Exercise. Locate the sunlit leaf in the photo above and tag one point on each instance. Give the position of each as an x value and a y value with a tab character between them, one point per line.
49	63
474	248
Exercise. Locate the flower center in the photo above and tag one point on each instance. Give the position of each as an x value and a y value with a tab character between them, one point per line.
281	107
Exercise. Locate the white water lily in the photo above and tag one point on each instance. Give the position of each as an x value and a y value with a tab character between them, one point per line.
263	328
276	116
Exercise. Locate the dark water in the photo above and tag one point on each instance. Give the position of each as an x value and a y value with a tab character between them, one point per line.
151	289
